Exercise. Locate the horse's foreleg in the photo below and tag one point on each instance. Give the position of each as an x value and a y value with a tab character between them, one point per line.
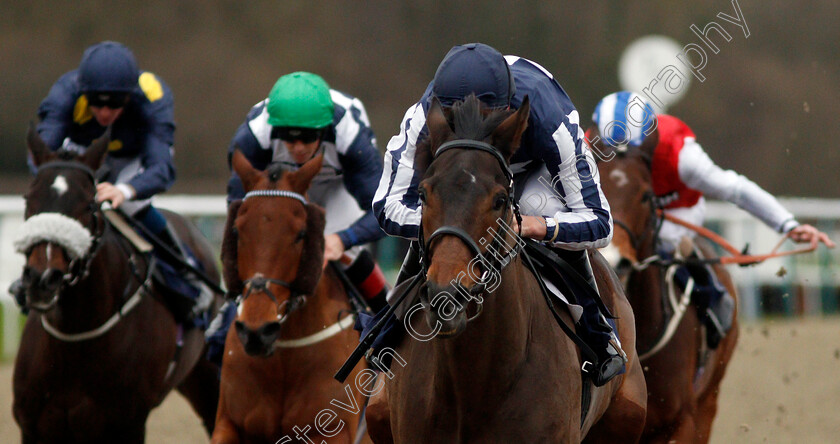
624	419
225	432
378	418
706	411
686	428
201	388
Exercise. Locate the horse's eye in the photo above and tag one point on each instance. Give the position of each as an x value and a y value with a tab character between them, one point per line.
500	202
422	193
300	236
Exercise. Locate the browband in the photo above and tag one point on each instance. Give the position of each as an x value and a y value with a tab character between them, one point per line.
482	146
275	193
70	164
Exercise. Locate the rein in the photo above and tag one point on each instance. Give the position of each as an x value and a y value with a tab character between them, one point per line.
133	301
739	257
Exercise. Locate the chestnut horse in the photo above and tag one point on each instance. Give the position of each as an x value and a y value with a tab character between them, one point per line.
99	349
512	374
293	328
683	376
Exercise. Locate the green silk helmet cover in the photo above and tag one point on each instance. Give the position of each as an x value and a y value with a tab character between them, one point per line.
301	100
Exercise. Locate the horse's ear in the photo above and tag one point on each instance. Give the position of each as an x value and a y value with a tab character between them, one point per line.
249	175
507	136
300	179
95	153
439	130
40	151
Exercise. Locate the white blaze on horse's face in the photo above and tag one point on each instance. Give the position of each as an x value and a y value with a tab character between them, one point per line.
619	177
60	185
472	178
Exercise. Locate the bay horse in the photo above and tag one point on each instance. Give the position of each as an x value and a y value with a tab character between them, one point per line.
99	349
293	328
683	376
512	375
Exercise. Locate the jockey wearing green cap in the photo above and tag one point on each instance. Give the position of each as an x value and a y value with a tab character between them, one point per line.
301	118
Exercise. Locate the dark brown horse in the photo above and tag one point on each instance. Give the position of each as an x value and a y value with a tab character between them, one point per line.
511	375
98	351
683	377
293	328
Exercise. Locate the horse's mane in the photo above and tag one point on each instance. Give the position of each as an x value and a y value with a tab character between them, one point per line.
468	119
275	171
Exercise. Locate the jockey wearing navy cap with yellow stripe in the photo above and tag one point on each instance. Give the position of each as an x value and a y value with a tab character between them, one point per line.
106	90
570	215
682	173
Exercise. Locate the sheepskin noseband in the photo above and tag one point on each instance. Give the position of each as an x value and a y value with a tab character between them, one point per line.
58	229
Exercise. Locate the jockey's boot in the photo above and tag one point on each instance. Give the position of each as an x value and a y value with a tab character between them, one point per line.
364	273
204	296
599	334
18	291
217	332
715	304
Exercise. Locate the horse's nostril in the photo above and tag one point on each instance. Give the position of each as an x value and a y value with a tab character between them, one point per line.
240	326
51	279
270	330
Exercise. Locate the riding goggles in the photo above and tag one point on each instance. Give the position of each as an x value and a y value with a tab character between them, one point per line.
291	134
113	100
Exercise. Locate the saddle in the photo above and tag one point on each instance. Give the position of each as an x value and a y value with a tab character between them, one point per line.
178	295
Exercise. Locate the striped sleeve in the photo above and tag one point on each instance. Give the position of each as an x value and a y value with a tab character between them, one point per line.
587	223
396	203
362	165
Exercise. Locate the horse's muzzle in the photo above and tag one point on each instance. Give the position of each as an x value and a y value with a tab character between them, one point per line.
446	308
260	341
42	288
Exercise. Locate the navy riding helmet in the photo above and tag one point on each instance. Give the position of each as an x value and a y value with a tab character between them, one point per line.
474	68
108	66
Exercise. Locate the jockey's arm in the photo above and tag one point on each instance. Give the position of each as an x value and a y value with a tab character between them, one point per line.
56	112
585	220
396	204
245	141
362	165
699	172
156	157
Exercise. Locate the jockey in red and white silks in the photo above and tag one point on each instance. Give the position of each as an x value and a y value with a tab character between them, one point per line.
683	173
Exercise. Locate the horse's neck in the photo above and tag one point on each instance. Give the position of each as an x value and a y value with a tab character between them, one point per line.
96	297
322	308
645	291
494	345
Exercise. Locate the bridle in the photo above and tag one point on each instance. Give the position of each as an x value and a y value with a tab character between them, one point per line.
638	240
79	267
260	284
488	260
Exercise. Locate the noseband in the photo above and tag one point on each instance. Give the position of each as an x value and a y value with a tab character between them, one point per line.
79	267
260	283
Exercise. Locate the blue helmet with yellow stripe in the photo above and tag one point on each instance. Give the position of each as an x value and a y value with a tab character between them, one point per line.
108	66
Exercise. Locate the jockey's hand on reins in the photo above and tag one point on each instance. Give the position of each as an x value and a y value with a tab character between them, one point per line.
806	233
